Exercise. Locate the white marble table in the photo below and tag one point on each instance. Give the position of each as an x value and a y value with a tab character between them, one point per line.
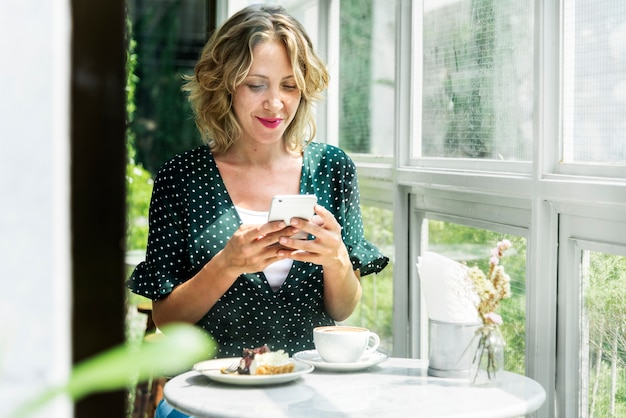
394	388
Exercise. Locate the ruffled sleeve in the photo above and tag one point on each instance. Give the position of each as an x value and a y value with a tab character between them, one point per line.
166	263
365	256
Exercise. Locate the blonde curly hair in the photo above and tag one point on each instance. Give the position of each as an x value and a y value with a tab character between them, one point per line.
226	60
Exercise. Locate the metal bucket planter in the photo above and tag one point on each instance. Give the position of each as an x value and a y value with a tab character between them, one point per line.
449	354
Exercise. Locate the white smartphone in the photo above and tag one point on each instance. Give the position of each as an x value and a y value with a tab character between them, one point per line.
287	206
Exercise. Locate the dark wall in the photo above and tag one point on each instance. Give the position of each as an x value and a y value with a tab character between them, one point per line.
98	158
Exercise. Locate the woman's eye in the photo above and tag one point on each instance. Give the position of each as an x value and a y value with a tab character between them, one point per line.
289	87
255	87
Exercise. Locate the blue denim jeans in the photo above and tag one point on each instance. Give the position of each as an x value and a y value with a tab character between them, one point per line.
165	410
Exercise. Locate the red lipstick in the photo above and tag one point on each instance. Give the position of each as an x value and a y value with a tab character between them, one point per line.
270	122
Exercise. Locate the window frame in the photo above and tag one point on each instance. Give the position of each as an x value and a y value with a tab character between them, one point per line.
577	234
545	190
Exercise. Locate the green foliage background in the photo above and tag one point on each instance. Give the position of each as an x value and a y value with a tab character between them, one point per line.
163	125
376	307
605	310
355	77
138	180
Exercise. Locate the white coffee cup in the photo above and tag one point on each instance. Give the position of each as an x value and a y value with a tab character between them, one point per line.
344	344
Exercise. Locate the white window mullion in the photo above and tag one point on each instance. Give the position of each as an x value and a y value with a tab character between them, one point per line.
328	47
405	331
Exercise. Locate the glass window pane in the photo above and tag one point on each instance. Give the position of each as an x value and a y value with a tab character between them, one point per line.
367	76
472	246
306	11
594	81
477	90
169	37
376	307
603	336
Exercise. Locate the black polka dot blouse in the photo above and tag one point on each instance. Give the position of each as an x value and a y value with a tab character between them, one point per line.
191	219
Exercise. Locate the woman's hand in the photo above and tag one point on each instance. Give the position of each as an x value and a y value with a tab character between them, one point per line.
254	247
342	288
327	247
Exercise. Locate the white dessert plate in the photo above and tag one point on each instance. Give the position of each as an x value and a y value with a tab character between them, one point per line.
212	370
313	358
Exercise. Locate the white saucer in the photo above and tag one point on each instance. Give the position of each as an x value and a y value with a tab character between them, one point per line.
368	360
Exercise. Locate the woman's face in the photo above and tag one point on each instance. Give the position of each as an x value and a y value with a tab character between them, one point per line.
266	102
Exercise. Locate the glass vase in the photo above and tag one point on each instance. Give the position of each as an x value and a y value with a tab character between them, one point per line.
488	360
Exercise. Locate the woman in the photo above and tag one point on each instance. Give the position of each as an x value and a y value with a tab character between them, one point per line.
212	259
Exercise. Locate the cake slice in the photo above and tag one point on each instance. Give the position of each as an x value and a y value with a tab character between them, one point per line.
262	361
273	362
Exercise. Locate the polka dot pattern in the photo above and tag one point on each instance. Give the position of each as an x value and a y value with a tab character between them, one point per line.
192	218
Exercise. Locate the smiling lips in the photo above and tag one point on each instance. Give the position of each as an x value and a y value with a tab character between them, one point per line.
270	122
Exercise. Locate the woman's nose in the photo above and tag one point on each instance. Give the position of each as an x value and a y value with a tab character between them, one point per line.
274	101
